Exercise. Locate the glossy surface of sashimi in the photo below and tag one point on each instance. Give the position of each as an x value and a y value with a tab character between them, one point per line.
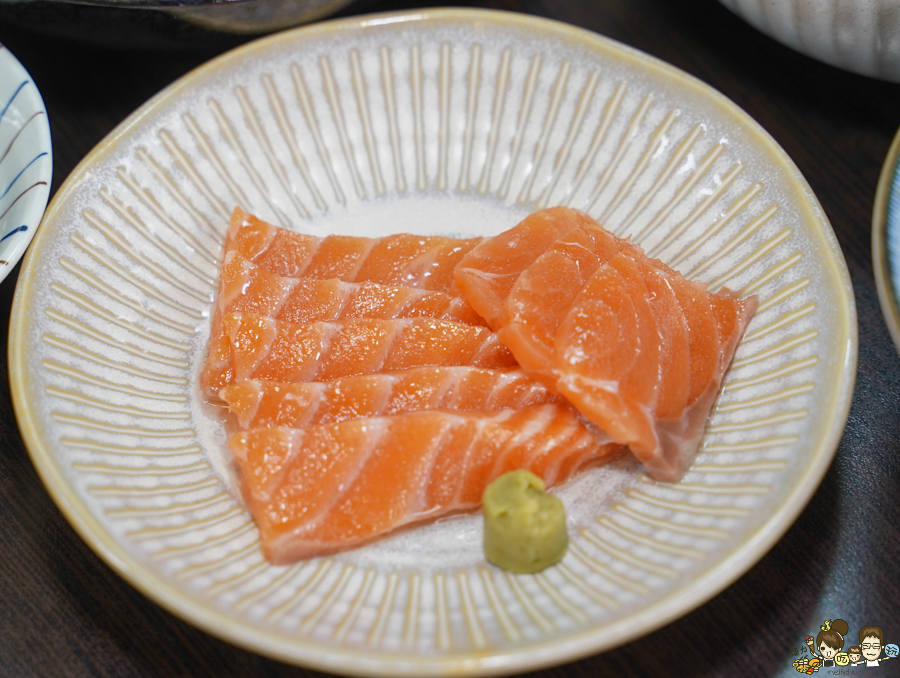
607	354
639	350
320	489
265	348
425	262
543	293
247	288
257	403
623	356
487	273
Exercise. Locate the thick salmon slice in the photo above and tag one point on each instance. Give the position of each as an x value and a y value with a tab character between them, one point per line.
604	366
674	341
278	250
703	335
425	262
487	273
545	290
326	488
639	350
257	403
607	355
244	286
248	288
266	348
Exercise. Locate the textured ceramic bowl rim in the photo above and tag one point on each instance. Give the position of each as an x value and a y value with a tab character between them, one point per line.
35	201
538	655
880	253
852	49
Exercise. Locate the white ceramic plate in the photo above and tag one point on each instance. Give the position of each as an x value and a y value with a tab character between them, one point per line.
26	161
445	121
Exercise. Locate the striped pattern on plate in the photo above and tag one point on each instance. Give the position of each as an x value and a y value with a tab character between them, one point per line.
459	123
26	161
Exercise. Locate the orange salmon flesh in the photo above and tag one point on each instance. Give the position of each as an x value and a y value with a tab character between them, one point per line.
376	383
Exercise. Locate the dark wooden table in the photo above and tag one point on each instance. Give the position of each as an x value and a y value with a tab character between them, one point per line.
64	612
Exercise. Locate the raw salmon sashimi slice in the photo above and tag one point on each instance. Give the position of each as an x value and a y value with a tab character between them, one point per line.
247	288
546	290
543	293
626	356
244	286
266	348
705	350
674	383
637	348
320	489
257	403
607	357
425	262
487	273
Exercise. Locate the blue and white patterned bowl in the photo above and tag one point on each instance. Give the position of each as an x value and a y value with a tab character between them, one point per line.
26	160
886	239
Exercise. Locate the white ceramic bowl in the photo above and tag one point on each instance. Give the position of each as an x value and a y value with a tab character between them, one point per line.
26	161
862	36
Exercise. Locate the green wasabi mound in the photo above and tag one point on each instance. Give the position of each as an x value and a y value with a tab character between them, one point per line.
524	527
